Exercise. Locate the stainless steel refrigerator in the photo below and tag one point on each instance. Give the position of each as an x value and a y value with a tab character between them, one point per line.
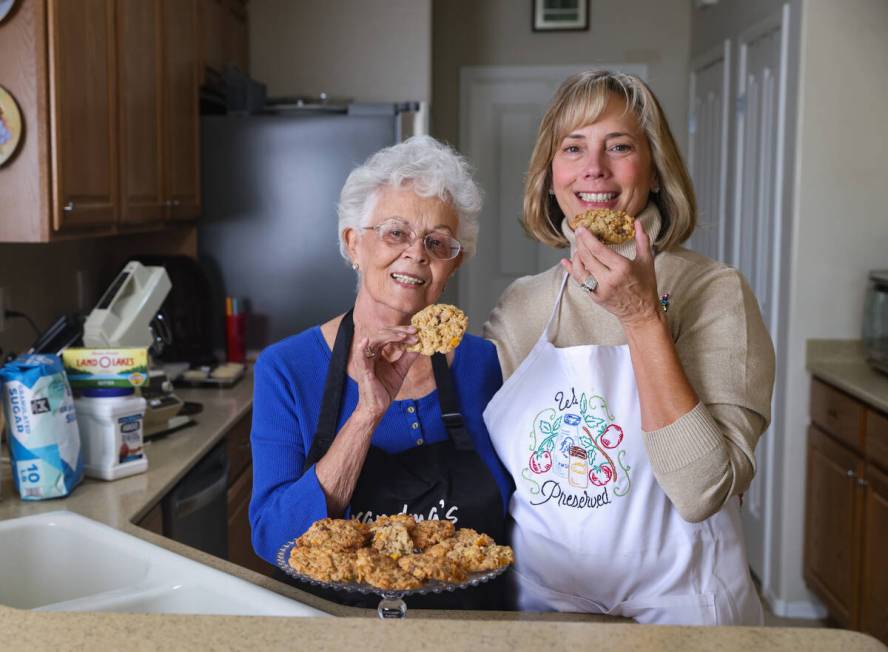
268	231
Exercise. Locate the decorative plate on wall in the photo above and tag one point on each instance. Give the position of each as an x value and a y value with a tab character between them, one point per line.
10	125
5	6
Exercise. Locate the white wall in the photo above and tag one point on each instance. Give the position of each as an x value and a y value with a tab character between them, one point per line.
369	50
841	229
498	32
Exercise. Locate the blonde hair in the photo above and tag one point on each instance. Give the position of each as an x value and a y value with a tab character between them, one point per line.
580	100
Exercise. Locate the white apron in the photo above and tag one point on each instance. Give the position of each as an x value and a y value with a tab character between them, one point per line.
593	530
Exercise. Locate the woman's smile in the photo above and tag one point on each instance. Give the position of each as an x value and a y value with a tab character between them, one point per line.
408	281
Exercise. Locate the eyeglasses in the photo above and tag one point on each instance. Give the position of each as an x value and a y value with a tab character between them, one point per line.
398	235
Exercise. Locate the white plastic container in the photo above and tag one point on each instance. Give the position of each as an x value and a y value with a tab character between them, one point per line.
111	427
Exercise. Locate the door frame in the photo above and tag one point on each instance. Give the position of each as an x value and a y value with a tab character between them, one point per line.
721	53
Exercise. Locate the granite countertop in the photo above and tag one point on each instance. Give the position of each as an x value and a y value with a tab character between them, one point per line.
122	503
842	363
88	631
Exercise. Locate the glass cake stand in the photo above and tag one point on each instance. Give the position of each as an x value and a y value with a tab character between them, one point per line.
391	603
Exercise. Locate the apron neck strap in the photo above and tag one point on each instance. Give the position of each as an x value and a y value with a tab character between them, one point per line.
547	331
325	432
447	399
331	404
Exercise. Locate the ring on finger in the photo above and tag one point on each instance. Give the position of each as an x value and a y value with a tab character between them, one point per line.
589	284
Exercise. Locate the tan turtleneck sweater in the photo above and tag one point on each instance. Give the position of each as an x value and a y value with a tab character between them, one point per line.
707	455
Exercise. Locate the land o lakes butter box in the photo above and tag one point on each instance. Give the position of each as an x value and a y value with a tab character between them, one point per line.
106	367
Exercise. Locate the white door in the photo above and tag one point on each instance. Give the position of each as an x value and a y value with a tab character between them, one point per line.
708	130
757	231
500	112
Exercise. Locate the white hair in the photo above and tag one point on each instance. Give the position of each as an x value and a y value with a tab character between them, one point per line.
430	169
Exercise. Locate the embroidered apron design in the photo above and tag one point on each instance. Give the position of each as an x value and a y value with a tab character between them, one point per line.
592	529
576	443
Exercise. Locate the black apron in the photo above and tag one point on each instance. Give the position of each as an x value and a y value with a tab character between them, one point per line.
442	480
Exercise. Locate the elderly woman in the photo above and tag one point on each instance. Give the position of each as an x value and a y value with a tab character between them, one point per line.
348	423
638	380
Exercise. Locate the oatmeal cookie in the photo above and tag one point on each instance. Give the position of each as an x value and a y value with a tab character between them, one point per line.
611	227
323	564
382	571
335	534
428	567
468	536
440	549
405	520
480	558
393	540
440	328
428	533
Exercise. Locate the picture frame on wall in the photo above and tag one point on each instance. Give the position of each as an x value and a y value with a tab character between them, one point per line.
560	15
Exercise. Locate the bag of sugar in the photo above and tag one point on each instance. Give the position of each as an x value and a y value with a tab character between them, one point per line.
41	427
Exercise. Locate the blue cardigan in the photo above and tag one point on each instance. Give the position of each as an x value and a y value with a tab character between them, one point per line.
289	384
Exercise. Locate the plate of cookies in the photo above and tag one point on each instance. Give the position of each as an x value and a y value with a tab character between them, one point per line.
393	556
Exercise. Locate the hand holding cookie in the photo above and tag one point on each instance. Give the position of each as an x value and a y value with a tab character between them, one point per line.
381	365
625	288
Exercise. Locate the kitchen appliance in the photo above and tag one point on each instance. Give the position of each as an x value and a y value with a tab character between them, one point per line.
268	232
188	310
875	320
195	512
64	332
127	316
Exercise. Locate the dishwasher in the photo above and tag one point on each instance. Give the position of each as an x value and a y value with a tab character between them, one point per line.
195	512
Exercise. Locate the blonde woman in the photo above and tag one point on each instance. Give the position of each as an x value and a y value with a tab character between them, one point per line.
638	380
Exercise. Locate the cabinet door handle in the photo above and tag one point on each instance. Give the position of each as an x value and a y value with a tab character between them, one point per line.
861	482
850	473
68	207
175	202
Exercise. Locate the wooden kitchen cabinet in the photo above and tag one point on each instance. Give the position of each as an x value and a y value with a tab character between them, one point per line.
832	564
159	113
140	60
240	490
846	512
83	88
240	545
181	109
874	571
108	91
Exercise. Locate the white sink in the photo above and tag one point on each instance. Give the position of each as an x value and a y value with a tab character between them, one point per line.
61	561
